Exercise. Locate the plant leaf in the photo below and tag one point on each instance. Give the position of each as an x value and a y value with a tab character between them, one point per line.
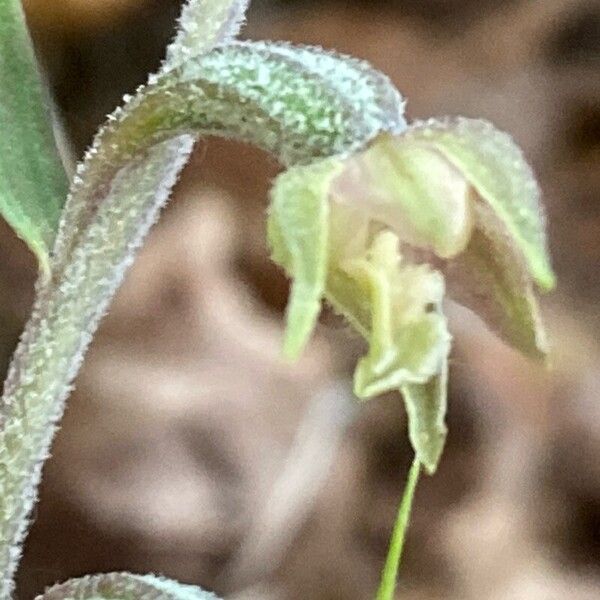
33	184
124	586
495	166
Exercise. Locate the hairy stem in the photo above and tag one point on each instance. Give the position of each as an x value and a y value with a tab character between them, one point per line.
125	586
280	98
64	319
389	576
202	25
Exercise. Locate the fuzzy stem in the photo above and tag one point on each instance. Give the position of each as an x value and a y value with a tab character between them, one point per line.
204	24
389	575
277	97
63	321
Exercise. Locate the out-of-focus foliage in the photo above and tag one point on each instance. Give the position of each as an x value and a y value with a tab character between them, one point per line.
33	184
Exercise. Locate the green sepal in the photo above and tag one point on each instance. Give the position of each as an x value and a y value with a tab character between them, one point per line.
298	233
494	165
491	279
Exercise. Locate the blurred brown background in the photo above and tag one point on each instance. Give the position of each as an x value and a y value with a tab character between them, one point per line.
191	449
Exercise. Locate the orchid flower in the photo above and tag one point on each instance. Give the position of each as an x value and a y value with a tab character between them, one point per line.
382	234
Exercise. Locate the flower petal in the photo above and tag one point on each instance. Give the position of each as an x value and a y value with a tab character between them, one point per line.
410	187
397	307
495	166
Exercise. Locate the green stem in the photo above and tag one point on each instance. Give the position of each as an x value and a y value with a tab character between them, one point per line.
387	586
64	317
278	97
116	196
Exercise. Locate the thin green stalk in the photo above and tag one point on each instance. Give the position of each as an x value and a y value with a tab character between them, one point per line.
389	576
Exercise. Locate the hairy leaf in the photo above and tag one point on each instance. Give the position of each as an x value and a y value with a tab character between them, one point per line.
124	586
33	184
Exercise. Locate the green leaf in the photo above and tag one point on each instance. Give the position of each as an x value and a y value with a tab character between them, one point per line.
495	166
298	229
33	184
426	406
124	586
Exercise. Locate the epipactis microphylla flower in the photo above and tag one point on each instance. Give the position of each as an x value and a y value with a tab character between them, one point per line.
446	206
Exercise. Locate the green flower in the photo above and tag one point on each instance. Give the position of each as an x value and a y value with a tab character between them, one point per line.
382	233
